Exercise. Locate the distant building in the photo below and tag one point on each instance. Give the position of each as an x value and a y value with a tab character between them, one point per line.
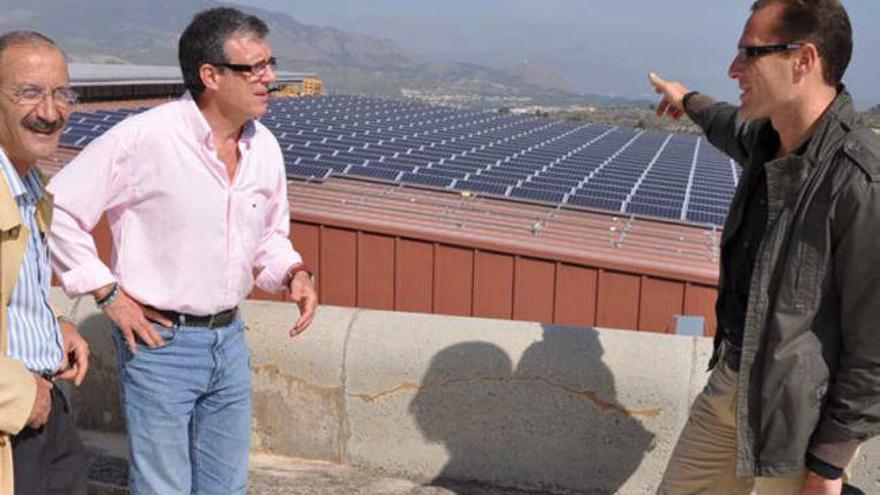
308	86
109	82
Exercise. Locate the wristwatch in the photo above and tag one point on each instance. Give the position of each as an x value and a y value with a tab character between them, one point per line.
108	298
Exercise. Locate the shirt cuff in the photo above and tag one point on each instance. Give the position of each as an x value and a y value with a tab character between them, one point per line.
832	444
271	277
86	278
822	468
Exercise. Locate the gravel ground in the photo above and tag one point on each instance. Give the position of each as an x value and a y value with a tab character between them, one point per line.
274	475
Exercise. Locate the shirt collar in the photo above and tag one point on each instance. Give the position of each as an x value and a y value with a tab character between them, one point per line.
16	185
202	131
34	185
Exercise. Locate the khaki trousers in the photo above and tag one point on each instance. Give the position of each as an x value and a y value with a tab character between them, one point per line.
704	459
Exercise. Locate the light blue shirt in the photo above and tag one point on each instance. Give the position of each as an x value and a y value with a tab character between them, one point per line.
34	334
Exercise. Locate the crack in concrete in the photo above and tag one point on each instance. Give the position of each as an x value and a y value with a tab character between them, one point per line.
273	373
590	396
344	426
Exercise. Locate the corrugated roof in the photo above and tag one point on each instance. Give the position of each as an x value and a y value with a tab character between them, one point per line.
650	247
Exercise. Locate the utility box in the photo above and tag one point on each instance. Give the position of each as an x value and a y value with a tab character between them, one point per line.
690	326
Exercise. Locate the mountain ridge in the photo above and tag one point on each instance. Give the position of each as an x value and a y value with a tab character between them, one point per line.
146	32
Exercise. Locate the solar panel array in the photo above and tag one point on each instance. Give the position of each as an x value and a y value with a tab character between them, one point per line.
658	174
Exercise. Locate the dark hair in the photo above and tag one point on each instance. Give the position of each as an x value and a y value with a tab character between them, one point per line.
824	23
203	41
17	38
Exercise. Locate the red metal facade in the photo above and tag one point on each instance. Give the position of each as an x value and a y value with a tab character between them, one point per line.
379	271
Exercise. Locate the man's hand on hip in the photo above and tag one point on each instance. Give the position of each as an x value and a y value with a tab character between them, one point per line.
134	319
302	292
76	354
817	485
42	403
673	92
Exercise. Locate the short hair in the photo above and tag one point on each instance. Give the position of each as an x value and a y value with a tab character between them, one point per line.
18	38
203	41
824	23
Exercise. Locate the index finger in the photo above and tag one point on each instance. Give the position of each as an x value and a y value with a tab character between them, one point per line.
128	336
144	329
307	314
67	374
82	365
153	315
303	322
661	107
656	81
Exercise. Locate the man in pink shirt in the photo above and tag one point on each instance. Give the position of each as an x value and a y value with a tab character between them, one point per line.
196	196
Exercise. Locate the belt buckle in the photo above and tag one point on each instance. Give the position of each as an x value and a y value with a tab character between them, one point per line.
211	320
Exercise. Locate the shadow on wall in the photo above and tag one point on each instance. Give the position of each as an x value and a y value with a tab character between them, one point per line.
499	423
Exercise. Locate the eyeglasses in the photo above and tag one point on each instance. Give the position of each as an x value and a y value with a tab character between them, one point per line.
749	52
255	71
30	94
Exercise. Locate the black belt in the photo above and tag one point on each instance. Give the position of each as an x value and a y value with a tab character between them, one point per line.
220	319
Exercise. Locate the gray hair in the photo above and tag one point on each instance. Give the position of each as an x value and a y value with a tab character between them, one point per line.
18	38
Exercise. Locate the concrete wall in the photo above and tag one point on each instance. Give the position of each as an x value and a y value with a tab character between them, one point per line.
425	396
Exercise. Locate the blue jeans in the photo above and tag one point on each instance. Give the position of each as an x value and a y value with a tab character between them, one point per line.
187	408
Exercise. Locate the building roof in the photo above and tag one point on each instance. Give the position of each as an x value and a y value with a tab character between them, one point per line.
613	242
82	74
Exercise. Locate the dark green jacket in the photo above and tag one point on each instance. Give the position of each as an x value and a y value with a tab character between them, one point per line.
810	368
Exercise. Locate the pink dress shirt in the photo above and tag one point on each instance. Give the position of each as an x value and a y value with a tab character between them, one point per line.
185	237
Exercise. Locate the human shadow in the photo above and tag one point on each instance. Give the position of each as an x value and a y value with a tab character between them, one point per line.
96	401
553	423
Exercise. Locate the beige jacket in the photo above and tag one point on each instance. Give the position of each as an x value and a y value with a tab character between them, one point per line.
17	385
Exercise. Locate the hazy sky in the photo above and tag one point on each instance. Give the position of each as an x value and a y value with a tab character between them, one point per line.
598	46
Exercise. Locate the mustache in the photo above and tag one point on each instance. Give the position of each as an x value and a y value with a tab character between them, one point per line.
43	126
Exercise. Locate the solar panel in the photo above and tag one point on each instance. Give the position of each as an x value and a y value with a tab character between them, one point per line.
308	172
494	188
372	173
596	202
537	194
426	180
653	210
652	173
442	172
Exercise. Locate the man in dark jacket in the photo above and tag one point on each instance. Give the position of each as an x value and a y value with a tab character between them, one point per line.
795	386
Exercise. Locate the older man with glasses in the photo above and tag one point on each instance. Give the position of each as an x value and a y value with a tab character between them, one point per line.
796	381
195	192
40	450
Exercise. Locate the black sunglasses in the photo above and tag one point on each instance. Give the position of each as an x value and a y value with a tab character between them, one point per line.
256	70
747	52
